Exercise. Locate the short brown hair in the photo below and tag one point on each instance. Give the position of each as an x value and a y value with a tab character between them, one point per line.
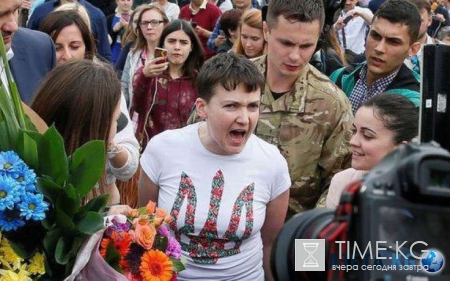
228	70
296	10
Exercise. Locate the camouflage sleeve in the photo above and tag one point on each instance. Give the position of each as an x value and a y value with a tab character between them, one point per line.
335	154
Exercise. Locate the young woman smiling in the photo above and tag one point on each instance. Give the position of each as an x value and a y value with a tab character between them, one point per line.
381	124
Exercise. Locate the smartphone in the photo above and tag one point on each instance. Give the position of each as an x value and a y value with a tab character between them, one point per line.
193	24
126	17
160	53
347	19
221	33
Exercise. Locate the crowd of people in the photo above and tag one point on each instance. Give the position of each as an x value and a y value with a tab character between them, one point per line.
230	115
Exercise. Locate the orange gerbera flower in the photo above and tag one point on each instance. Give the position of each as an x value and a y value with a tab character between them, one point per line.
156	266
104	246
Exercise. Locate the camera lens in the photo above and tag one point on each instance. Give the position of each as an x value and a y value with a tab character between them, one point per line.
306	225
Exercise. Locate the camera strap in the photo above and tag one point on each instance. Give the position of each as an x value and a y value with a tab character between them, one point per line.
337	230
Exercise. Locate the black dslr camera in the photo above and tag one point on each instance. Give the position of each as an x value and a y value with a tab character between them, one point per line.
393	225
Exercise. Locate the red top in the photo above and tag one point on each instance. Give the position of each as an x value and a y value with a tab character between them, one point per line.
175	99
206	18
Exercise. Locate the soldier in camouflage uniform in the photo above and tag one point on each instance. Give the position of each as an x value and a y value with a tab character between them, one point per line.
302	111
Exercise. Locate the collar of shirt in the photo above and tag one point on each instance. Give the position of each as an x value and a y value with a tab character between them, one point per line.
381	83
202	7
4	79
362	93
9	54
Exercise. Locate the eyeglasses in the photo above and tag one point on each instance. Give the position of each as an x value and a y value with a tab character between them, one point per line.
153	23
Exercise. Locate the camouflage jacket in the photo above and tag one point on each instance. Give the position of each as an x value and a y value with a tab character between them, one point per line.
311	125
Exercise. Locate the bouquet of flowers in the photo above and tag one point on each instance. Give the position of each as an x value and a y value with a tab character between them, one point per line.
140	245
42	221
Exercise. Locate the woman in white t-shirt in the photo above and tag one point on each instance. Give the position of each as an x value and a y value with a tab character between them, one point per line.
226	190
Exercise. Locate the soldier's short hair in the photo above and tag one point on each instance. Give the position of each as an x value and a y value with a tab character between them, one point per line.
422	4
295	10
228	70
403	12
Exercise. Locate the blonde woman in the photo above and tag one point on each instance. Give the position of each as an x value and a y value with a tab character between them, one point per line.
251	41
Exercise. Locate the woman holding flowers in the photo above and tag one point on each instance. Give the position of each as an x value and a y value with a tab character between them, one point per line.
227	191
82	99
73	40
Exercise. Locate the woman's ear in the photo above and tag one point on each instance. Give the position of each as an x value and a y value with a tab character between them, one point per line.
265	31
201	107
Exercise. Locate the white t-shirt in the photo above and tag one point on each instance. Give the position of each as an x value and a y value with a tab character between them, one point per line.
355	32
172	11
216	201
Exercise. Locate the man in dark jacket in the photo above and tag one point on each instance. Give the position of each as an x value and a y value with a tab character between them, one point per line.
31	54
392	38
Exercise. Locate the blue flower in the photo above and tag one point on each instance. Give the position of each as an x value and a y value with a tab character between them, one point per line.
10	220
10	164
27	178
9	193
33	206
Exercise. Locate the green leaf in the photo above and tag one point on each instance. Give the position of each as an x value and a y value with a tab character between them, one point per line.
49	220
87	165
177	265
5	139
68	201
90	223
26	147
52	156
63	221
112	257
50	240
97	204
10	124
161	243
49	188
63	249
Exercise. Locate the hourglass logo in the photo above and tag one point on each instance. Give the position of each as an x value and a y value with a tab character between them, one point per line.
309	254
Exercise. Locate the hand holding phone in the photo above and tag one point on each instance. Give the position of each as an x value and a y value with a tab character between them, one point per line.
160	53
347	19
222	33
157	65
126	17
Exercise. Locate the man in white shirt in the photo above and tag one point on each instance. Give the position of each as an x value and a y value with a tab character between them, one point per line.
224	5
352	34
